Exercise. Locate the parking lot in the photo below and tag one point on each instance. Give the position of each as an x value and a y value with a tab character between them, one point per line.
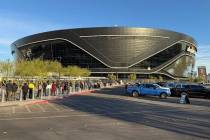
107	114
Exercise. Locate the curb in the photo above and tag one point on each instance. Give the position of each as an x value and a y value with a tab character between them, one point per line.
37	102
44	101
23	103
72	94
7	105
82	92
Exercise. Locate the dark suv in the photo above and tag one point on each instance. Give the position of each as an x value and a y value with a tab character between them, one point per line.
192	90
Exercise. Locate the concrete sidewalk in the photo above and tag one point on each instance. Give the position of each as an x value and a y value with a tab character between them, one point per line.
43	100
17	103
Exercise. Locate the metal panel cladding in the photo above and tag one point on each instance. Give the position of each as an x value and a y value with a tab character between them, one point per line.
117	48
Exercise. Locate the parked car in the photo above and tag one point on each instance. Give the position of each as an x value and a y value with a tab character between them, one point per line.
148	89
170	85
167	84
192	90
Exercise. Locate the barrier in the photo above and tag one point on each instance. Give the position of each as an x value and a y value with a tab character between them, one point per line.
18	96
21	95
44	93
2	96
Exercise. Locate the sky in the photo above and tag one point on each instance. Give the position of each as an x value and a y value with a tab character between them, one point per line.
19	18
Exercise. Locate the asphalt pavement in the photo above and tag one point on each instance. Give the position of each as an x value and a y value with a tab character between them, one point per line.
193	101
106	114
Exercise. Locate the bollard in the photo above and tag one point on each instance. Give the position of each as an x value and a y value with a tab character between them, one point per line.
73	89
21	95
69	90
2	96
41	94
33	94
61	91
49	92
184	99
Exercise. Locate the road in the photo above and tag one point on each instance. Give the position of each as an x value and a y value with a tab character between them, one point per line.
106	115
193	101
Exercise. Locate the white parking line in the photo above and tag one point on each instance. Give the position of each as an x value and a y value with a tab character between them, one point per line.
53	106
67	116
28	109
43	110
13	110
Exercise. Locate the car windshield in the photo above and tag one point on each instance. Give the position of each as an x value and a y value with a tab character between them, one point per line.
156	85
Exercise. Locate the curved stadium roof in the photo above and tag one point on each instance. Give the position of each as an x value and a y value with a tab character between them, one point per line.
115	47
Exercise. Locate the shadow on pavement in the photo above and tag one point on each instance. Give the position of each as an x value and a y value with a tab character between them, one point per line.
121	91
166	118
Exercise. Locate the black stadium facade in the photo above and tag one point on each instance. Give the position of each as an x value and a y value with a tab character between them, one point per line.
117	50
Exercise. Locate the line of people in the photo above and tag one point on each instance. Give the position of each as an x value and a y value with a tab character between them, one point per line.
34	89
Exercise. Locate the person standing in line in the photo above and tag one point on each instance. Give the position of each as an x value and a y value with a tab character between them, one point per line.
53	89
81	85
31	88
70	86
14	90
44	87
3	89
58	87
9	88
65	87
62	87
39	89
48	88
25	90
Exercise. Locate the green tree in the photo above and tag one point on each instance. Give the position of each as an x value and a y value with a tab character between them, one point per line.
132	77
75	71
198	79
37	67
23	68
112	77
53	67
85	72
7	68
42	69
160	78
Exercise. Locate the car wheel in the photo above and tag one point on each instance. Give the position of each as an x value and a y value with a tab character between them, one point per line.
163	95
135	94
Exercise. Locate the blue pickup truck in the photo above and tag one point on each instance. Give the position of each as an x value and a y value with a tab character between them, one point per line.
148	89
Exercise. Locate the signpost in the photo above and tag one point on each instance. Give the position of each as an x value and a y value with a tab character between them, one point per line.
184	99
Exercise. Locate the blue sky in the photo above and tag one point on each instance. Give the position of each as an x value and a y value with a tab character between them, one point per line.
19	18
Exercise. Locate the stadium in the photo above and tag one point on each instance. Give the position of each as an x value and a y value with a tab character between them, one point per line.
119	50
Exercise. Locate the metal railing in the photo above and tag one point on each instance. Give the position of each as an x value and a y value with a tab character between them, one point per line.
39	94
44	94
